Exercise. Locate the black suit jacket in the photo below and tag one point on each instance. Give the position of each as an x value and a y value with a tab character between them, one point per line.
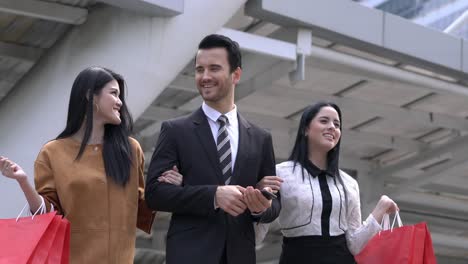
198	233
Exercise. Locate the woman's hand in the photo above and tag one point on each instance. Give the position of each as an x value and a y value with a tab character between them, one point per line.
384	206
274	182
255	200
171	176
12	170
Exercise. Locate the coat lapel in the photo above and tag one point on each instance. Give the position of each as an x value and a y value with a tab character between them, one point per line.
243	148
203	131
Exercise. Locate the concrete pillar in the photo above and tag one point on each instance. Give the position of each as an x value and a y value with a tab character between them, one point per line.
371	188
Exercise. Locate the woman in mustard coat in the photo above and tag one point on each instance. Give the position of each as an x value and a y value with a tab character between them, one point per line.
92	173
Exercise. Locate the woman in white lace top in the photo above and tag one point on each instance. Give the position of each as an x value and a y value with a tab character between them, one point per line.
321	214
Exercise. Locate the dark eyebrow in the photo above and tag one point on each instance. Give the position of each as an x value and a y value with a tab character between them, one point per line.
326	117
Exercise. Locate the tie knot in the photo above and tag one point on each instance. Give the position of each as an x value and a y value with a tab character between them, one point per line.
222	119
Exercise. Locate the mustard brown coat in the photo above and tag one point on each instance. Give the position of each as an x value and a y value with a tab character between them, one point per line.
103	215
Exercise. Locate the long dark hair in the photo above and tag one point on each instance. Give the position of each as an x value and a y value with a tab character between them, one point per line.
300	152
117	153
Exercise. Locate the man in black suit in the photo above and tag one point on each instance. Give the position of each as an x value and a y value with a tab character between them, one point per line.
221	156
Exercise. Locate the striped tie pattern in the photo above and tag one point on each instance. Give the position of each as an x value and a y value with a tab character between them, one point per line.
224	149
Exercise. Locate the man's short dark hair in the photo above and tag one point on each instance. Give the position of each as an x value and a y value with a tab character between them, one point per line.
231	46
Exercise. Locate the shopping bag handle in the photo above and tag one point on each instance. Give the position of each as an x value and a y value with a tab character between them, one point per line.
397	217
386	221
41	209
385	224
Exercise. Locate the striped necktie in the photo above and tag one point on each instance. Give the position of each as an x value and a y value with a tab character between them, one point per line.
224	149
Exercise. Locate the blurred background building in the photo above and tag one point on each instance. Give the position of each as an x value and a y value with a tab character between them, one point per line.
436	14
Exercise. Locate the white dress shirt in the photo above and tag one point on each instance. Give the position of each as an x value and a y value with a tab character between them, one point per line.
301	207
232	128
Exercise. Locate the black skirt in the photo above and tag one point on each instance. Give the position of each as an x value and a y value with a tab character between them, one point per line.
316	250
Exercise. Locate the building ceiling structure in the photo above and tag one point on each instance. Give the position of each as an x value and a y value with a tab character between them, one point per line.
409	137
404	126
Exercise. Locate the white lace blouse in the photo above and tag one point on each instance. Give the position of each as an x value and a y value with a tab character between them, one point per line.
301	212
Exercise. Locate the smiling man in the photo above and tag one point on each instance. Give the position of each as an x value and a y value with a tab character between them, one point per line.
221	156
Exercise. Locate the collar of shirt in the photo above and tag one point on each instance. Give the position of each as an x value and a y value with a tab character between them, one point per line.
316	171
213	114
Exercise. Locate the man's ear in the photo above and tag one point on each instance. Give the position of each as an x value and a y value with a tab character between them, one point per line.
236	76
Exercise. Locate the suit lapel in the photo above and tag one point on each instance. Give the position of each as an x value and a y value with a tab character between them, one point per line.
243	148
203	131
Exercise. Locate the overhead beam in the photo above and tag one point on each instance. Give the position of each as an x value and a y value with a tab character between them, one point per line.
148	136
294	53
16	51
283	144
263	80
278	123
158	113
391	142
455	146
375	70
163	8
444	188
45	10
378	109
184	83
254	64
372	139
434	205
372	30
437	209
458	157
329	59
408	215
262	45
454	242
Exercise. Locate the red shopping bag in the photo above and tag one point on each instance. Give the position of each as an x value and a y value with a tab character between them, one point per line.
42	239
429	256
19	239
60	249
43	247
54	246
403	245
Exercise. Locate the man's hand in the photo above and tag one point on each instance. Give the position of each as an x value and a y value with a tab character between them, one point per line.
230	199
273	182
256	202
